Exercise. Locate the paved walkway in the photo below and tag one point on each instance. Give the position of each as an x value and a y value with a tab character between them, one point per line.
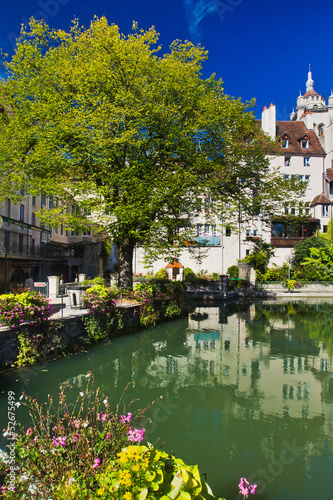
62	308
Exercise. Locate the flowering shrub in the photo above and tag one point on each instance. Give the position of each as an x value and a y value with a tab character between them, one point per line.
59	455
160	300
100	302
98	299
30	307
141	472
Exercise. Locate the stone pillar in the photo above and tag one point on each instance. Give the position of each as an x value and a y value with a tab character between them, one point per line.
53	286
82	277
223	285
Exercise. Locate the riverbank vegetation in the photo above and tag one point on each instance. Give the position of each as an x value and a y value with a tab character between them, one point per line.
39	337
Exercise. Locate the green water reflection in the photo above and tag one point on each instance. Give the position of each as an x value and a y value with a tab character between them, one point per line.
247	391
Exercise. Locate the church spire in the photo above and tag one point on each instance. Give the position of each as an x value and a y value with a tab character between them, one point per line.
310	82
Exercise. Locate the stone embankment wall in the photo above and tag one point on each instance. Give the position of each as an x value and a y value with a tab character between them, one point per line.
309	289
70	330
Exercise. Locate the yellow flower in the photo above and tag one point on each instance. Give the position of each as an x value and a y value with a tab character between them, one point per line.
127	496
100	491
136	467
125	478
122	457
144	463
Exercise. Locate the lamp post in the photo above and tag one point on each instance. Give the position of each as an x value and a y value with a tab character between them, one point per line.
289	259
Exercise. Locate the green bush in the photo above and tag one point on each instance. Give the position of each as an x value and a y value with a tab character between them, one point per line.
189	275
233	271
94	281
161	274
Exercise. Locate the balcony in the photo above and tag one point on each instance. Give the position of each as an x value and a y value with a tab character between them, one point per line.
286	242
208	241
37	252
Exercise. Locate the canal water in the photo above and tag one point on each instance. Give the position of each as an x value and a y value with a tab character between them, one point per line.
247	391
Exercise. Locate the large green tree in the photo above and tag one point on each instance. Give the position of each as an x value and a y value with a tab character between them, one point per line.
132	138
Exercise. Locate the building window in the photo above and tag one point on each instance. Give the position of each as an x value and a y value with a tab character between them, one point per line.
33	201
61	230
301	177
285	143
248	232
325	229
286	209
305	143
7	207
307	178
287	161
286	176
306	162
325	210
255	232
206	228
247	252
213	229
199	229
20	243
228	231
22	191
321	130
33	219
7	239
43	199
56	230
21	213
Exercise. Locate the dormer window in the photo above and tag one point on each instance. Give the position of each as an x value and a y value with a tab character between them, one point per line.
285	142
305	143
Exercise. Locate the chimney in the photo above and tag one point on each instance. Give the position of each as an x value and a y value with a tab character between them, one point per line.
268	120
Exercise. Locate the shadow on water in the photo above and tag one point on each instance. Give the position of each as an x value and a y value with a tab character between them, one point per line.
247	390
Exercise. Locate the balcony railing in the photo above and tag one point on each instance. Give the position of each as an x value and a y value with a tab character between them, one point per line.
34	251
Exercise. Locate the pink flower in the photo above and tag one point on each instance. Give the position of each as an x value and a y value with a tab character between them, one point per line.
244	487
97	462
125	418
29	431
136	435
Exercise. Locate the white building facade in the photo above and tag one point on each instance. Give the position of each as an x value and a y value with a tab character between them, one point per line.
307	154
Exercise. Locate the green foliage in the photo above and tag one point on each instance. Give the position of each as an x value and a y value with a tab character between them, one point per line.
302	249
30	307
27	351
233	271
189	275
321	259
100	302
162	274
134	153
260	255
143	472
94	281
275	273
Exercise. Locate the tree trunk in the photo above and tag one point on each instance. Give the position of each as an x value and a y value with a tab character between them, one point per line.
125	259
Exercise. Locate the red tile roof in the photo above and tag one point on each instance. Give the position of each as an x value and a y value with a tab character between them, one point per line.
175	264
321	199
329	174
296	131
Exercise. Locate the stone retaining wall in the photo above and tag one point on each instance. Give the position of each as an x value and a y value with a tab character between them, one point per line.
69	329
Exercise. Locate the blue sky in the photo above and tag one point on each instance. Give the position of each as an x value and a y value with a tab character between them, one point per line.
259	48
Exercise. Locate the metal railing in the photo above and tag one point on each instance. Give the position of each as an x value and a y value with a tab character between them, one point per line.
34	251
